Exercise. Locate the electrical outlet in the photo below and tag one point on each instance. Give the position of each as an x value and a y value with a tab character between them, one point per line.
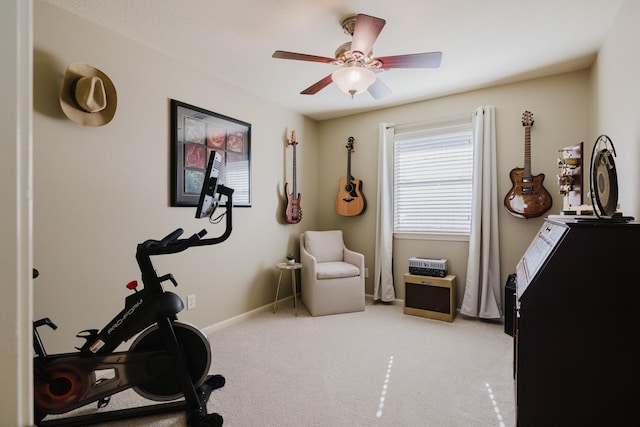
191	302
366	273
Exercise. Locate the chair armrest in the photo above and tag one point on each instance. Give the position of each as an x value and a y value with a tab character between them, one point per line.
307	259
354	258
309	264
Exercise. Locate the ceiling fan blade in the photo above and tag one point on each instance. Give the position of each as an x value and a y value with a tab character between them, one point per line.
281	54
414	60
318	86
365	33
378	89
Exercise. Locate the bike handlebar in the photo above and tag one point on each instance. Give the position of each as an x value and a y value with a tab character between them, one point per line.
165	241
171	243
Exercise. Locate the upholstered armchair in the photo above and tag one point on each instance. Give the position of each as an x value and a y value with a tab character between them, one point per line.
332	275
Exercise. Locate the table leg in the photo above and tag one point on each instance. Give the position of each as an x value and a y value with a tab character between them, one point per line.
293	285
275	304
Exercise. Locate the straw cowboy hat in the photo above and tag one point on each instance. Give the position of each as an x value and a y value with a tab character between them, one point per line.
88	96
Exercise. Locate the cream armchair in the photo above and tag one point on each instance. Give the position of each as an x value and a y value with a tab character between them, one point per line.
332	275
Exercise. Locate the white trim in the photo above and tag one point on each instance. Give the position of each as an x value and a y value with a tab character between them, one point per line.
267	307
240	317
16	116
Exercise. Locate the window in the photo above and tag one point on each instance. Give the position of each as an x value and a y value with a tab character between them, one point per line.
432	177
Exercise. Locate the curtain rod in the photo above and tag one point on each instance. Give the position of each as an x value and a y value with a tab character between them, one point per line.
445	119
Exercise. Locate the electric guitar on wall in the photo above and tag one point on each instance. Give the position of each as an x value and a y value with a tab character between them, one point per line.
350	200
527	198
293	211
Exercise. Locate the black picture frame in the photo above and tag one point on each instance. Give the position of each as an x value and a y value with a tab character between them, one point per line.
195	134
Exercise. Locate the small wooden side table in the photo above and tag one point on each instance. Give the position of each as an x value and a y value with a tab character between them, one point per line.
292	267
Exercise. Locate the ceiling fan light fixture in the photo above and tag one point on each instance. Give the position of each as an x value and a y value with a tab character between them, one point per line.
353	80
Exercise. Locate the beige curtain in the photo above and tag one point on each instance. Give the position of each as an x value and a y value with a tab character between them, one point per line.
482	289
383	289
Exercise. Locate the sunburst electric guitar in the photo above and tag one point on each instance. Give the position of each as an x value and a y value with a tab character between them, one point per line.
527	198
350	200
293	211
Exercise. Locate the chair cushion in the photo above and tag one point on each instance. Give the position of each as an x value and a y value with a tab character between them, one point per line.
324	245
335	270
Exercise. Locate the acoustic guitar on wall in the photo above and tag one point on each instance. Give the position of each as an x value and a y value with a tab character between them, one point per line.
350	200
293	210
527	198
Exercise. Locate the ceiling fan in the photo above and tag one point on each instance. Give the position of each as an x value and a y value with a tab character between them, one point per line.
357	62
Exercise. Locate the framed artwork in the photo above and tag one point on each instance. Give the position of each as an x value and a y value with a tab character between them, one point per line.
195	134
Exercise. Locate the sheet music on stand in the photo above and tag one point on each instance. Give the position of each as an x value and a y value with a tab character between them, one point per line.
538	251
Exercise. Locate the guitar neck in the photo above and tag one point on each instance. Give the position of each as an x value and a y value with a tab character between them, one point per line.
527	152
349	150
295	191
349	178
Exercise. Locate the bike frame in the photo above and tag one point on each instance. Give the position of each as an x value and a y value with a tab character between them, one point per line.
150	306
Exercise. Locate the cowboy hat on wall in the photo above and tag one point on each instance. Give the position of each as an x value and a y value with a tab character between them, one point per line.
88	96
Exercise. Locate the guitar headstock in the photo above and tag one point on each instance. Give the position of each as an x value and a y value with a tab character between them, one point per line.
292	141
350	144
527	119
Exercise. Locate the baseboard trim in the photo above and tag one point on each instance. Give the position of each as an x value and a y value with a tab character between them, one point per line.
256	311
241	317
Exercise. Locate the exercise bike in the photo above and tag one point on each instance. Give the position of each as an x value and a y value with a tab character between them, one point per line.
168	360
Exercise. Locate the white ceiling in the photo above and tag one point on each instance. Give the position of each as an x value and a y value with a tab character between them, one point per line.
484	42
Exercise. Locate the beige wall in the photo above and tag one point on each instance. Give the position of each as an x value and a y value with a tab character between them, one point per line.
100	191
616	90
561	115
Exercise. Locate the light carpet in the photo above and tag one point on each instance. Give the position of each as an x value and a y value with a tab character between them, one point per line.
378	367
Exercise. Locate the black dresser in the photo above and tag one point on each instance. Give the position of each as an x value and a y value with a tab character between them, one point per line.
577	326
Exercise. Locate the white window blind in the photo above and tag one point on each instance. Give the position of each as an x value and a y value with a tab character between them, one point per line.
432	180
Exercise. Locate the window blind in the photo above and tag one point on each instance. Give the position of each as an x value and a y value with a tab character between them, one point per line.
433	180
